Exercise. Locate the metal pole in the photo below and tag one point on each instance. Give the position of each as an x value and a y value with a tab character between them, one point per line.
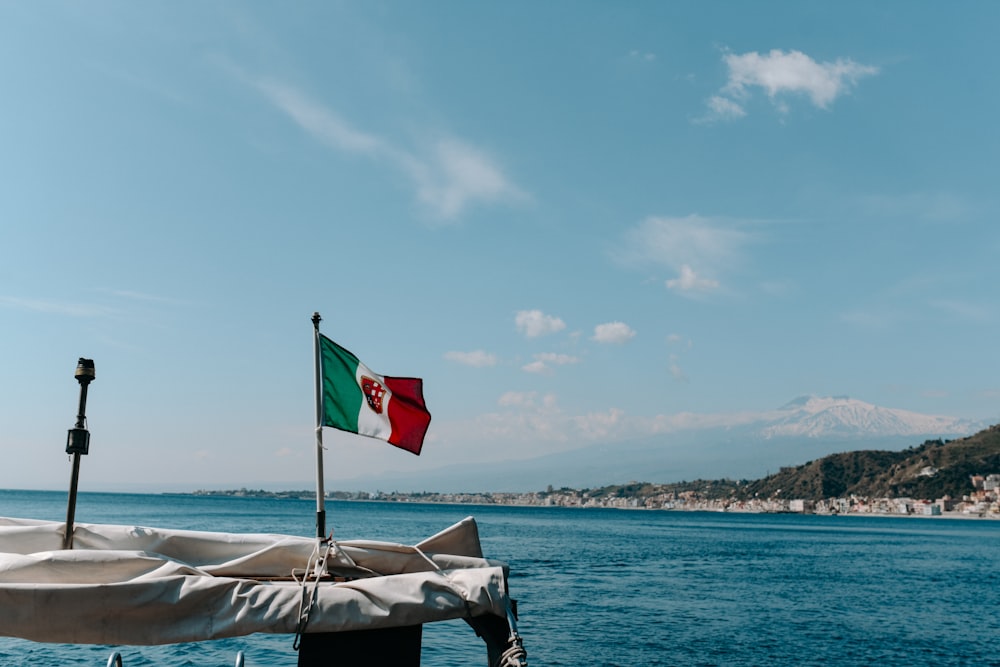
320	500
71	502
78	443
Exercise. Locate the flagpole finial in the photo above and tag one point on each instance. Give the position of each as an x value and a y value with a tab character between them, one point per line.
316	320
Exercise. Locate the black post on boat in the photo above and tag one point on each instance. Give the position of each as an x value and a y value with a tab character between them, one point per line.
78	443
320	493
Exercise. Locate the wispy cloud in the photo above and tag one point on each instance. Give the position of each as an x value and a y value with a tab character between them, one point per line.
698	249
675	369
599	424
536	367
964	309
319	121
456	175
557	359
449	176
613	332
544	361
688	281
535	323
529	424
476	358
781	74
723	108
518	399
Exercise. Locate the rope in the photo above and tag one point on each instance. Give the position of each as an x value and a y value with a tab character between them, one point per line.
515	655
308	600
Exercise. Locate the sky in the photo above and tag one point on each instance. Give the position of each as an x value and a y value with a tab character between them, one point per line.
576	221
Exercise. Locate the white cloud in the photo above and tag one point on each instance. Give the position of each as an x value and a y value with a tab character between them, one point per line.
688	281
795	72
527	399
535	323
456	175
476	358
517	399
677	339
599	424
545	360
723	108
648	56
780	73
448	178
697	248
320	122
693	240
613	332
557	359
675	369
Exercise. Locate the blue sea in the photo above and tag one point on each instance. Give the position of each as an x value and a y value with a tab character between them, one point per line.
619	587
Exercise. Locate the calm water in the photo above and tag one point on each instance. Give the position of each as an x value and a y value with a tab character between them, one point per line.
611	587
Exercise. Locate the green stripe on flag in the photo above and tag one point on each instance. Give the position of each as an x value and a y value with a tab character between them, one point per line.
342	395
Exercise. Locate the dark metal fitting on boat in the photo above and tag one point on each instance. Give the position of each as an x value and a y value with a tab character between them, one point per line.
85	371
78	441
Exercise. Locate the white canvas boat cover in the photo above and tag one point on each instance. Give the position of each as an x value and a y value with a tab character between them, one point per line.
133	585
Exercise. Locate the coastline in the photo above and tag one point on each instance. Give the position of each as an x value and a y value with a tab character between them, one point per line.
533	500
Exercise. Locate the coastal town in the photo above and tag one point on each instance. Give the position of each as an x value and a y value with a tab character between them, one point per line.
982	501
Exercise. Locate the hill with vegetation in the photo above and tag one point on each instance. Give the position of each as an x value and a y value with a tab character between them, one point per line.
932	470
935	469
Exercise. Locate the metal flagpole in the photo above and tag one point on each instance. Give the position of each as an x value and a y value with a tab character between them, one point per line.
77	443
320	500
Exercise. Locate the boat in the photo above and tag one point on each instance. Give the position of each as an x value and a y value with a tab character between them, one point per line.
350	602
345	602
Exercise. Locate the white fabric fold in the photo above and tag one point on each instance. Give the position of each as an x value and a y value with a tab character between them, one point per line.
141	586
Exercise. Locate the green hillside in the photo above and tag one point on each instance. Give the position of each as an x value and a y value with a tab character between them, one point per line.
931	470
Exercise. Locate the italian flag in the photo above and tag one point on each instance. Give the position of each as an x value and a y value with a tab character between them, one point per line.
357	400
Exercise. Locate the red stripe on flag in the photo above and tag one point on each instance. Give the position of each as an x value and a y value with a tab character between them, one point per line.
408	413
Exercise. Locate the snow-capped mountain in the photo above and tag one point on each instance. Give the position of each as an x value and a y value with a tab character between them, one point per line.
841	416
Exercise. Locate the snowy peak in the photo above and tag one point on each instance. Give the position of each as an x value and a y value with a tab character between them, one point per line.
842	416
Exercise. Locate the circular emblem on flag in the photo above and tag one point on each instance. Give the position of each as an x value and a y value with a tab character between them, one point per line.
374	393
